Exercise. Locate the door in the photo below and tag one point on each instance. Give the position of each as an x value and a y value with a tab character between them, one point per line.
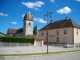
65	40
38	43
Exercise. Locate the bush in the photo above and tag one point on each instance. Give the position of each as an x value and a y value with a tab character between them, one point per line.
16	39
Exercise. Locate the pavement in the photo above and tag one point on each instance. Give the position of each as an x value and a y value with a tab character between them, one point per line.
67	56
32	49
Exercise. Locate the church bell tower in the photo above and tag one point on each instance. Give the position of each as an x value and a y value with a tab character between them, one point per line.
28	24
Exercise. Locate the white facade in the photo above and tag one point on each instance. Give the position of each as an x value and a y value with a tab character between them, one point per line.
28	27
76	35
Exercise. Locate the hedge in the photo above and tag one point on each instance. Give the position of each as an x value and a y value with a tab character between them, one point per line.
16	39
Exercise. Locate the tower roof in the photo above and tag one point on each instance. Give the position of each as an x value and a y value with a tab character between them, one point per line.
29	12
28	16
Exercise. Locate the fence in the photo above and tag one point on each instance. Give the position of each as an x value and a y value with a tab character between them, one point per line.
5	44
62	45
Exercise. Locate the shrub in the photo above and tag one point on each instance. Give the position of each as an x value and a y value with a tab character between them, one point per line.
16	39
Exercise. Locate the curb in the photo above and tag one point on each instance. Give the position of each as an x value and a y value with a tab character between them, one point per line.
36	55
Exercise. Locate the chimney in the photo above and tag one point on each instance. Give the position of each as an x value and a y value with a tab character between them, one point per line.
67	18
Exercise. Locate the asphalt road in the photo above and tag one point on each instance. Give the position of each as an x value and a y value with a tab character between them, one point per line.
31	49
67	56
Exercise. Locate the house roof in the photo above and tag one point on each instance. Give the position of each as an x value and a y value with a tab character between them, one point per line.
14	31
11	31
2	33
37	37
61	24
19	30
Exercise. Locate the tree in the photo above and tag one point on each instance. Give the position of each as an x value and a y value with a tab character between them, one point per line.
35	30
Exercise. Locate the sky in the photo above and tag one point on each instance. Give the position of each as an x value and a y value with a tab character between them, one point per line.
12	12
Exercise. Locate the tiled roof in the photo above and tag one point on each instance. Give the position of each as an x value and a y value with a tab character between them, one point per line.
14	31
61	24
19	30
37	37
11	31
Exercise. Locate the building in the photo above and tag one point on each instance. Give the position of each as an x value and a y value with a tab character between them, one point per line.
62	31
27	27
2	34
26	30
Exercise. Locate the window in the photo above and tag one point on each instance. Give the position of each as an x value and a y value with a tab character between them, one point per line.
65	32
77	32
57	32
29	23
57	39
42	33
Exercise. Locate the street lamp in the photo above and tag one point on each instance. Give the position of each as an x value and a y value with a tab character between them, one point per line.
49	14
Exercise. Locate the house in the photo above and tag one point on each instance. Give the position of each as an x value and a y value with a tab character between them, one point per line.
26	30
61	31
2	34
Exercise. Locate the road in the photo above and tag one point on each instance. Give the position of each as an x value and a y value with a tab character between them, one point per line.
31	49
67	56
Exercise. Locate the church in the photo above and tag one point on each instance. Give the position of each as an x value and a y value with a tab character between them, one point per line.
27	30
27	27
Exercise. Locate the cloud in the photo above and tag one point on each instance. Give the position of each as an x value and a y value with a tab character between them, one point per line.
65	10
39	20
1	14
77	0
23	15
36	8
14	23
34	5
53	1
42	21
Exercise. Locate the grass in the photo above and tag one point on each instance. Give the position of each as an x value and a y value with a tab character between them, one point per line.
39	53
